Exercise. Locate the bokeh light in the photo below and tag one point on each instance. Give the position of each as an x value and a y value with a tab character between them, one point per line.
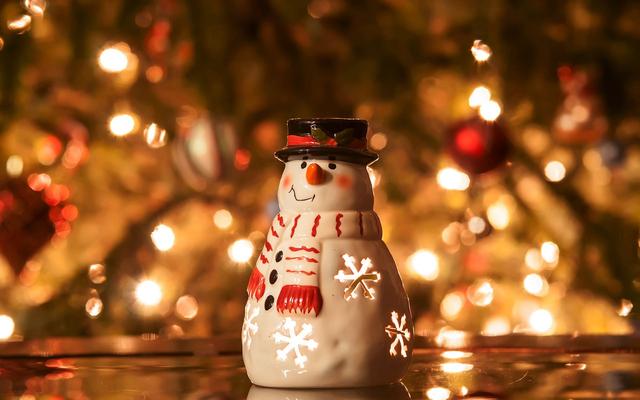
555	171
481	51
241	251
163	237
498	215
425	263
222	219
187	307
148	293
15	165
451	305
7	327
490	110
114	58
452	179
535	284
541	321
479	96
122	124
550	252
438	393
480	293
496	326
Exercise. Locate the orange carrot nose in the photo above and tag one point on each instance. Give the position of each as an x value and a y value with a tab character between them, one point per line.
315	174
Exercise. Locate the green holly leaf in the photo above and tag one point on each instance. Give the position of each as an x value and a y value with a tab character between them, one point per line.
318	134
344	136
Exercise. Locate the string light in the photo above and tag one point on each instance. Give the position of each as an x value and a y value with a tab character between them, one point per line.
479	96
114	58
480	293
541	321
481	51
222	219
163	237
122	124
498	215
496	326
148	293
452	179
425	263
451	305
6	327
550	252
15	165
490	110
625	308
555	171
155	136
438	393
535	285
187	307
241	251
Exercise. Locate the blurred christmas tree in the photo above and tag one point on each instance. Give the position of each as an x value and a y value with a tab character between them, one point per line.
139	179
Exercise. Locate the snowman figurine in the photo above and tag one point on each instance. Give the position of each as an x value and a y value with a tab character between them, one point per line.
326	307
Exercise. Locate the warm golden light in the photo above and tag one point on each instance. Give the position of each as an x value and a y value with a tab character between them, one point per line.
451	305
533	259
115	58
6	327
541	321
480	293
481	51
455	367
155	136
241	251
93	307
490	110
15	165
452	179
496	326
555	171
378	141
455	354
479	96
450	338
187	307
550	252
535	285
625	308
97	273
35	7
148	293
374	176
122	124
222	219
438	393
19	24
163	237
476	225
425	263
498	215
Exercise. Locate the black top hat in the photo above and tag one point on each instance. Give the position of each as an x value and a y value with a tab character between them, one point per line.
339	138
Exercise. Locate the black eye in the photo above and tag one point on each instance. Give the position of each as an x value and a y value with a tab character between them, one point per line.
303	165
332	166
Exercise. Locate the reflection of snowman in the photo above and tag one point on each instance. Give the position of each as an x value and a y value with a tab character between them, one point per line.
326	304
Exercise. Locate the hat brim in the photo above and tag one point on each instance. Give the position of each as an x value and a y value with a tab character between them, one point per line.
362	157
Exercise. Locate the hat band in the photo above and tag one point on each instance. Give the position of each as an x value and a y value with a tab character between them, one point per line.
296	140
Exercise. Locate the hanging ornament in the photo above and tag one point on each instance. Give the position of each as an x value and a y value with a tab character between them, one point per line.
203	150
478	146
580	118
31	213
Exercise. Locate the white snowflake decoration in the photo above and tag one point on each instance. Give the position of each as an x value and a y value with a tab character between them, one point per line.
358	278
400	333
249	327
295	341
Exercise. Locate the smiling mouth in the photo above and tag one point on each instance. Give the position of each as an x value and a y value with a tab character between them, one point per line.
296	197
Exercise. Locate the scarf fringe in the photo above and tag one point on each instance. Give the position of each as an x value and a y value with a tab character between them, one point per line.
256	285
297	299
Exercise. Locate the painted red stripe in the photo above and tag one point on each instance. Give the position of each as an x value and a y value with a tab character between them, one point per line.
338	224
280	220
316	222
268	246
302	258
295	224
360	223
301	272
263	258
273	232
304	248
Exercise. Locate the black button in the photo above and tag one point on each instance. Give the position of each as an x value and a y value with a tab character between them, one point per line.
273	276
268	303
279	256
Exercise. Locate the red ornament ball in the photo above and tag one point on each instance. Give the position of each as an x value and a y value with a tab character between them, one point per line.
478	146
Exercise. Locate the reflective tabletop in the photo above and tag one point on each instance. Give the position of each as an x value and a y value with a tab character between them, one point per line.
455	367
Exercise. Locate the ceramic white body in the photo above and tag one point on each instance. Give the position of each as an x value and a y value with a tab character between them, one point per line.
354	348
391	392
